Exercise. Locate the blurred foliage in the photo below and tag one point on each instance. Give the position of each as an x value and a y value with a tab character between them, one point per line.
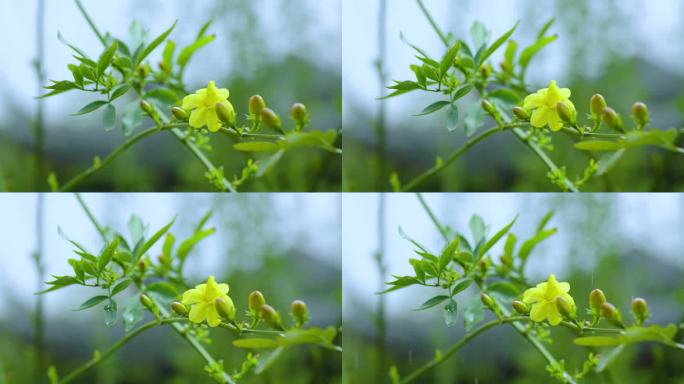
254	256
595	254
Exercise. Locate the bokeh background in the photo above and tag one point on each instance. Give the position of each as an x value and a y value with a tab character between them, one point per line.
626	244
287	51
628	50
257	245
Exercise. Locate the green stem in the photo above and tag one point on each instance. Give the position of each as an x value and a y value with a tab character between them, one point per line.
120	343
436	222
90	22
91	217
432	22
598	135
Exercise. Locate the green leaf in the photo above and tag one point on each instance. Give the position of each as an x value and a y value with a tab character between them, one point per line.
506	95
434	107
417	244
450	313
448	59
461	286
167	56
473	119
316	139
527	247
529	52
598	145
657	333
597	341
497	44
152	240
132	313
510	245
90	107
187	52
477	228
399	283
452	118
495	239
448	254
110	311
136	228
314	336
164	96
256	146
119	91
58	283
109	117
479	34
650	137
131	118
164	289
545	28
432	302
188	244
256	343
503	291
106	255
473	313
545	220
93	301
106	59
121	286
267	359
167	248
464	90
401	88
509	55
145	52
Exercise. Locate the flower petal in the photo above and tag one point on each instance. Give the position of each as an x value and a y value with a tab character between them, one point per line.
198	117
192	296
223	288
192	101
533	295
538	312
553	315
534	100
198	312
539	117
212	316
554	121
213	121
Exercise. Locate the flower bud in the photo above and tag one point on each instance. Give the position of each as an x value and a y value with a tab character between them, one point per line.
612	119
488	107
271	119
640	114
484	264
256	105
596	105
566	309
256	301
299	312
486	300
142	265
521	113
521	307
179	308
225	309
147	302
640	310
146	107
596	299
612	314
565	113
179	113
270	316
226	113
300	116
485	71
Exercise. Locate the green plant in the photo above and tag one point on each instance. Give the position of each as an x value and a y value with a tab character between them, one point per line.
505	291
160	94
160	288
533	118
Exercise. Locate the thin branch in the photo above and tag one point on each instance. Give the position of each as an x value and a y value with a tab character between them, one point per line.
91	217
432	22
90	22
436	222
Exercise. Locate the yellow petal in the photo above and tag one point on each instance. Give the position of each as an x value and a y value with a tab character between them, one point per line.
212	316
192	296
223	94
553	315
198	117
198	312
564	93
539	117
223	288
534	100
537	313
565	287
213	121
533	295
554	121
192	101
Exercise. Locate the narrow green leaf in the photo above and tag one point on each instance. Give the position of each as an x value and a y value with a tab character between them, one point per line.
544	29
527	247
256	146
152	240
596	341
452	118
448	254
461	286
432	302
473	313
497	44
119	91
106	59
154	44
434	107
110	312
106	255
448	59
187	52
529	52
450	313
121	286
93	301
187	245
132	313
109	117
598	145
256	343
167	56
90	107
464	90
495	239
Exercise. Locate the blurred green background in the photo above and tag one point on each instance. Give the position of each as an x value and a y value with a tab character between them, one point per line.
628	50
287	51
257	245
626	244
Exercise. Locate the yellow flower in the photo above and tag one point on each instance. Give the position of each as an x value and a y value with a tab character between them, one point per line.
544	103
543	300
203	105
203	297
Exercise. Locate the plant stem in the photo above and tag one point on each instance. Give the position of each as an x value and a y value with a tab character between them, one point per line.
69	185
453	156
91	217
90	22
427	209
120	343
597	135
432	22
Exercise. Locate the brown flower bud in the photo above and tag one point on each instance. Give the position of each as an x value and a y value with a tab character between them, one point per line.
612	119
596	299
256	105
596	105
521	307
271	316
612	314
179	113
271	120
255	301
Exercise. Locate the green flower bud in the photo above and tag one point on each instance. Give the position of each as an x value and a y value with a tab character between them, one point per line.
271	119
640	114
485	71
225	309
612	314
566	114
487	300
488	107
612	119
179	113
256	105
147	302
566	309
226	113
596	299
596	105
179	308
300	116
256	301
484	264
271	316
521	113
146	107
142	265
640	310
521	307
299	312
